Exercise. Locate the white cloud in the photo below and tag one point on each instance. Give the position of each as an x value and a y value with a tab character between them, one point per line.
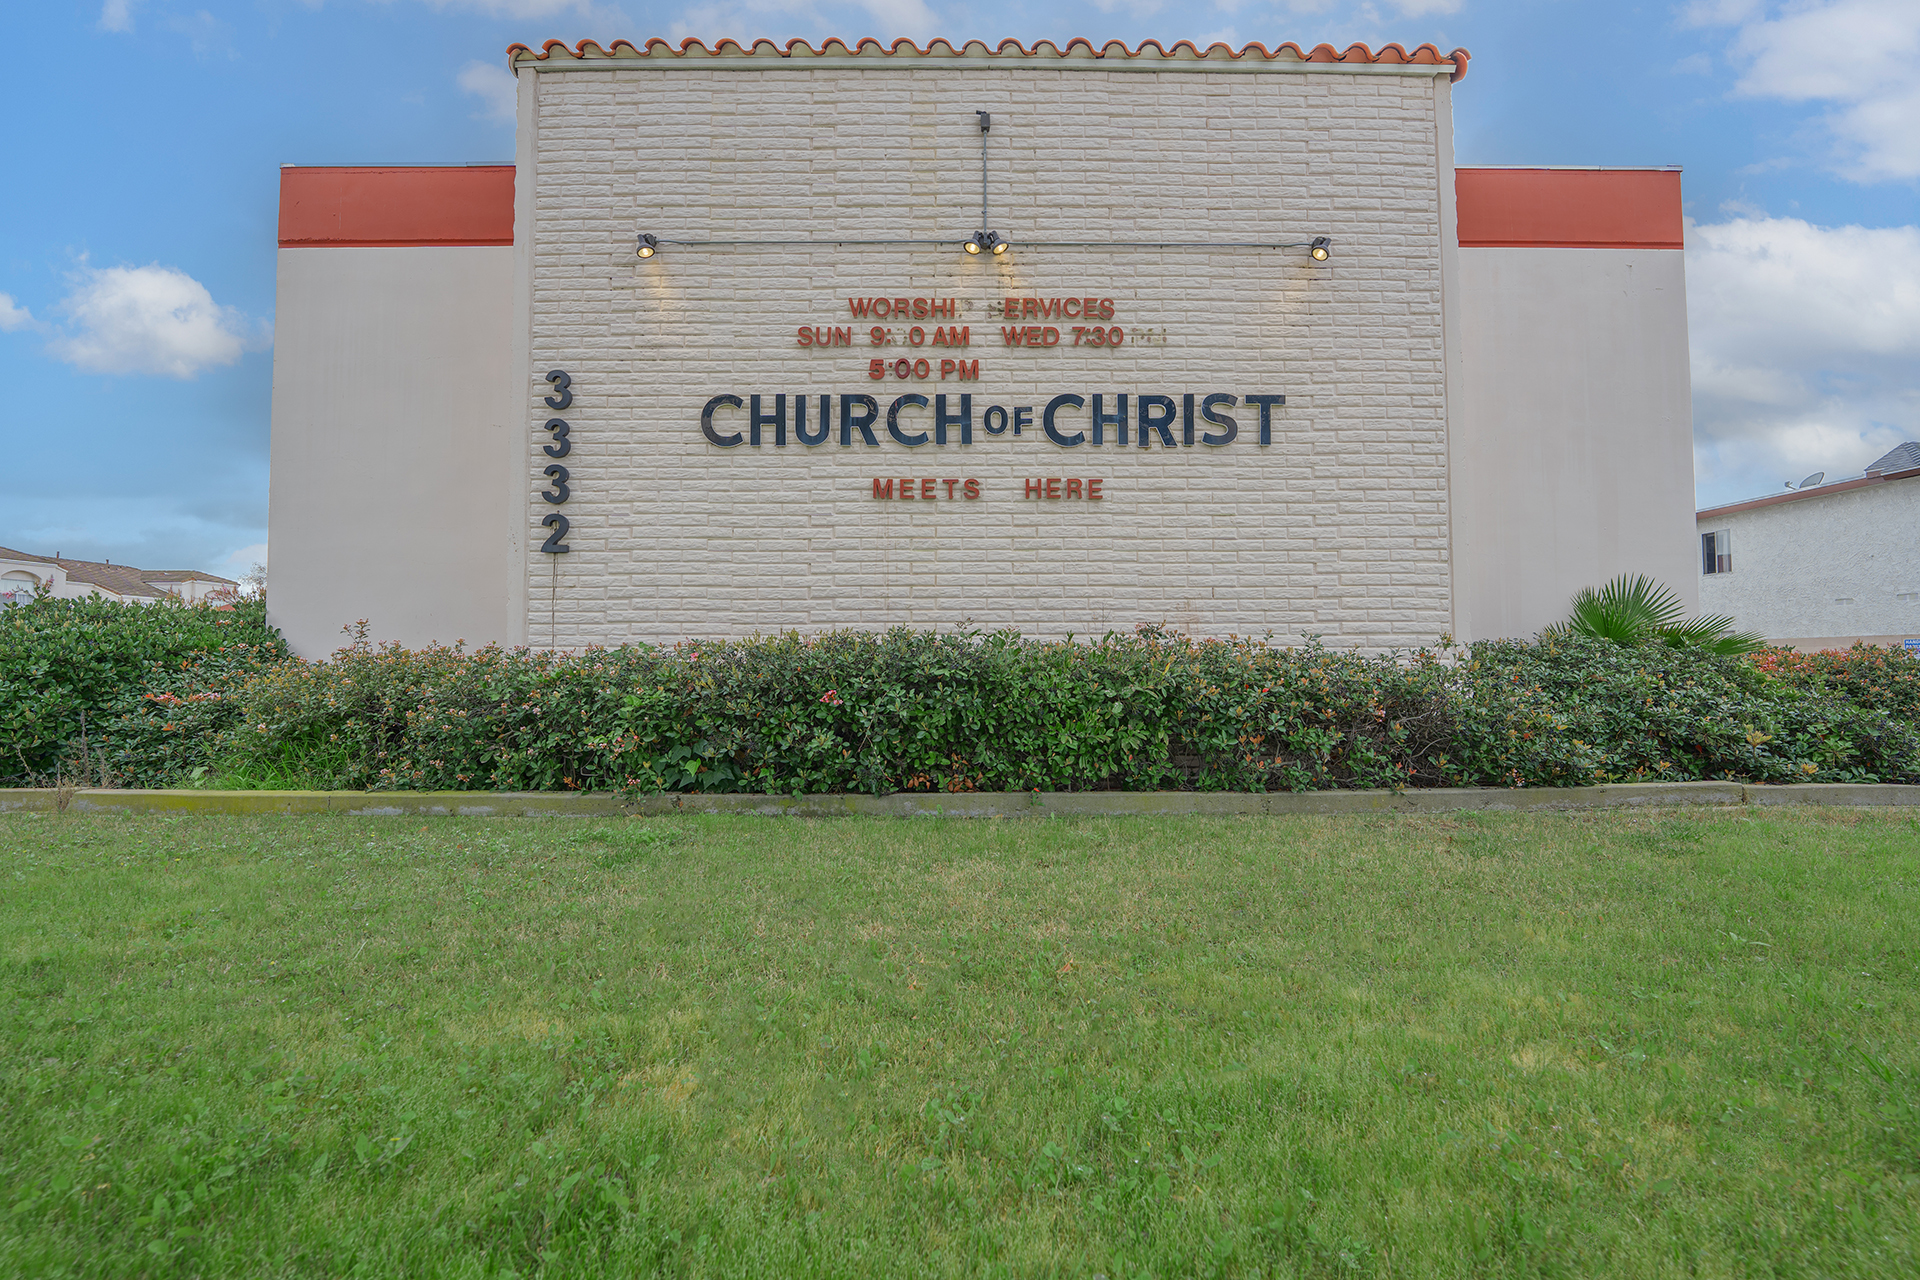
117	15
13	315
247	566
245	558
494	85
1780	286
1857	55
150	319
1806	349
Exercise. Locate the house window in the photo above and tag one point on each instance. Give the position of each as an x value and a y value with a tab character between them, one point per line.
1716	552
17	588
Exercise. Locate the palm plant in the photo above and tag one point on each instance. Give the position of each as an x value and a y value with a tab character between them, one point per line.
1637	610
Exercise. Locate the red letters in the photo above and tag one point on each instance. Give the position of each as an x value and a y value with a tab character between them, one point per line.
925	489
1050	487
1056	308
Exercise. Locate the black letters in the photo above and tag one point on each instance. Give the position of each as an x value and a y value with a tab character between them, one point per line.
1266	404
893	420
800	421
1118	418
1209	411
942	419
706	421
777	420
863	423
1068	401
1159	420
1153	414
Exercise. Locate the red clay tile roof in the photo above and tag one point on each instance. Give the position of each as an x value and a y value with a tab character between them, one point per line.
1074	50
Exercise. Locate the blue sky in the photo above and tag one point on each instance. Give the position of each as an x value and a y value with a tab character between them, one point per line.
137	237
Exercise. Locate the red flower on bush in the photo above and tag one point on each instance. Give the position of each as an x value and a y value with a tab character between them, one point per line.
831	698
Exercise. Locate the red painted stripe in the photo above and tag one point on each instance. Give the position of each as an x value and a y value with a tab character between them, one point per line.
392	206
1569	208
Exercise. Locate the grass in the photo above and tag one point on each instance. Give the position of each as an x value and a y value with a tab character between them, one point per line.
1626	1044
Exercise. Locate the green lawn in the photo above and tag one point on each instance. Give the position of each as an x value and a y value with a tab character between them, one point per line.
1626	1044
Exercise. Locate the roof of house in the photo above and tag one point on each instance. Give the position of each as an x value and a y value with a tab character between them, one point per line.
1900	463
122	580
1902	457
1077	51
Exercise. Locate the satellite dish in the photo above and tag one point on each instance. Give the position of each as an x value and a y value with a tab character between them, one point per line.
1813	480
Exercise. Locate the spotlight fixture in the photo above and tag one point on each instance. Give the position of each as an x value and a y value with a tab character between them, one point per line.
648	246
987	242
1321	248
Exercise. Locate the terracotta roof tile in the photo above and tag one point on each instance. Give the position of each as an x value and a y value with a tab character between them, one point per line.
1010	50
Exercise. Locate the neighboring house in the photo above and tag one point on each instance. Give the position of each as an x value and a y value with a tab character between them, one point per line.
23	574
1824	566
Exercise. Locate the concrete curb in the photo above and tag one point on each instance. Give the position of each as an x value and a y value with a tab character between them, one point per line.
981	804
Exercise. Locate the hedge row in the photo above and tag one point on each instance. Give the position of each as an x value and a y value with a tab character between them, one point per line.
67	665
181	695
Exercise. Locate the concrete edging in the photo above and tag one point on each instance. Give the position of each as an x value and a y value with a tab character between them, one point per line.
981	804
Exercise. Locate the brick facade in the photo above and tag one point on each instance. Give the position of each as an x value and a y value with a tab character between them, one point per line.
1339	527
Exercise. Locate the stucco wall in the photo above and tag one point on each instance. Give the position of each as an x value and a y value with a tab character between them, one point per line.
395	445
1573	457
1823	570
1338	527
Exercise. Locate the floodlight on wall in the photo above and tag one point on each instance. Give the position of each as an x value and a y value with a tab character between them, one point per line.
990	242
648	246
1321	248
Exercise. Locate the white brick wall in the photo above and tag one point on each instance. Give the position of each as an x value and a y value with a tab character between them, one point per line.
1338	528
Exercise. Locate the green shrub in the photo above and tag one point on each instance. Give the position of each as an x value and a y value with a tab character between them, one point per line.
1570	710
1884	678
62	659
845	711
907	710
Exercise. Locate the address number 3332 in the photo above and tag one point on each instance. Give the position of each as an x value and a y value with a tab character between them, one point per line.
555	490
